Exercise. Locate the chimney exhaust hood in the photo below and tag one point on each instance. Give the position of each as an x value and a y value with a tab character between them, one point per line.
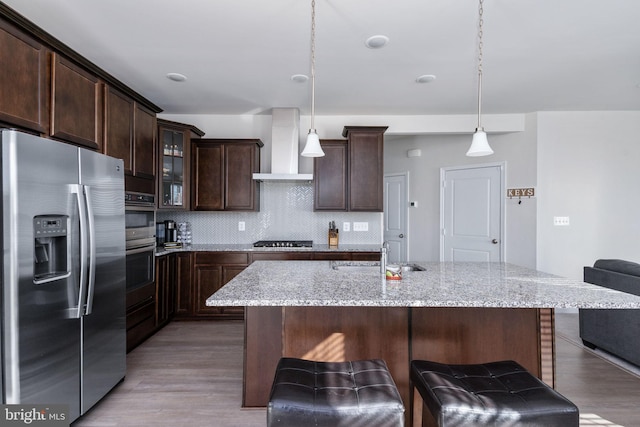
285	140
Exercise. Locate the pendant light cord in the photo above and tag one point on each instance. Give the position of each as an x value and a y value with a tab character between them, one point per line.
313	62
480	25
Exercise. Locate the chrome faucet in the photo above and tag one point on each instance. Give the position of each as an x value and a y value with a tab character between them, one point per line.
384	250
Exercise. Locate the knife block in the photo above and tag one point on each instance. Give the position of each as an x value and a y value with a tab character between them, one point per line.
333	238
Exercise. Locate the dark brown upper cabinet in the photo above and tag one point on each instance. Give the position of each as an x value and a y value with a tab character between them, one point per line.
130	135
350	175
222	174
119	127
366	167
144	142
76	104
24	90
331	176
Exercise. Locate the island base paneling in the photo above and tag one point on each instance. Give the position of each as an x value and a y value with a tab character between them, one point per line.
480	335
339	334
395	334
466	335
262	350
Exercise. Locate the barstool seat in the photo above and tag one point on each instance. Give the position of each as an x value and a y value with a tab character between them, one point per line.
334	394
496	394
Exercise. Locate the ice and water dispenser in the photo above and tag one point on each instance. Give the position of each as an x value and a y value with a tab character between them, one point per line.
51	248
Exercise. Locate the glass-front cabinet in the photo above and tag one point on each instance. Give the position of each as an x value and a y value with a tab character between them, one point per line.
173	168
174	157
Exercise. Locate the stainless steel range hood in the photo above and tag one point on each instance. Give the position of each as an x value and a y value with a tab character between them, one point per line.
285	137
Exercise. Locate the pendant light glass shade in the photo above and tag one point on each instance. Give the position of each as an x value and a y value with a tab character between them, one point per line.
479	145
312	148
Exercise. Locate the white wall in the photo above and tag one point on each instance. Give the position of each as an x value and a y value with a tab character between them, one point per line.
588	170
517	150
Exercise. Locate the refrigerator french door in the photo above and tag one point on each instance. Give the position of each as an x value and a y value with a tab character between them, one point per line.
63	273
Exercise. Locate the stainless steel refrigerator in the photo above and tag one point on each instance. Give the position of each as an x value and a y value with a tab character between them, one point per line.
63	273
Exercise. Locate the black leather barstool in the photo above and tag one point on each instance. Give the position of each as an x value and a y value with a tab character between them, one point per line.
334	394
497	394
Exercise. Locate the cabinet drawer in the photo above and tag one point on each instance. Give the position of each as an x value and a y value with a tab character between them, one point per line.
332	256
281	256
140	332
141	314
365	256
222	258
140	295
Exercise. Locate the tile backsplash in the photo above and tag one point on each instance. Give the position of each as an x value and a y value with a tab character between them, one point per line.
286	212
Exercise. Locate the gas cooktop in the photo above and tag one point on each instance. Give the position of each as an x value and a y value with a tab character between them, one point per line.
283	244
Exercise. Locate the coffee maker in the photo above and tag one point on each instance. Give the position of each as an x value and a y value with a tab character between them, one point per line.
170	232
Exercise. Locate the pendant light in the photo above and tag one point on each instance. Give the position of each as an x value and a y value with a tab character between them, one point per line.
312	148
479	143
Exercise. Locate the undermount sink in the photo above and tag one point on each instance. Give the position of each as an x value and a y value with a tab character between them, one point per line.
364	266
411	267
357	268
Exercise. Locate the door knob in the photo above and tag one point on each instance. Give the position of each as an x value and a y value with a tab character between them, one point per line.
494	241
401	236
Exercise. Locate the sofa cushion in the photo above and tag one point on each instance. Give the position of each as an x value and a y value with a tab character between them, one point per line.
618	265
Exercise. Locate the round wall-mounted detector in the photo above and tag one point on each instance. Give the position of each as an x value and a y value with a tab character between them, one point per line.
376	42
299	78
425	78
177	77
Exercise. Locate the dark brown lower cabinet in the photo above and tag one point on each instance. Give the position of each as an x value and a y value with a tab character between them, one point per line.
184	273
165	289
141	314
211	271
201	274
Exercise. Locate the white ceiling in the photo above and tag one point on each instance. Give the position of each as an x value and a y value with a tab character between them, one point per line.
239	55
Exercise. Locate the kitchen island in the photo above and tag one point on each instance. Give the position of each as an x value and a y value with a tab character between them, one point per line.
449	312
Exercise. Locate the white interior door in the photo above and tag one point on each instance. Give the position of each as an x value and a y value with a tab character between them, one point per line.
396	216
471	214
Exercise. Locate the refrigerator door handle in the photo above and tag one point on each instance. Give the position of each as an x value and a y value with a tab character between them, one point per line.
92	250
78	190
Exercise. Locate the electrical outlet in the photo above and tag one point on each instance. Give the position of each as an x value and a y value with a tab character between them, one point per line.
561	220
360	226
346	226
241	226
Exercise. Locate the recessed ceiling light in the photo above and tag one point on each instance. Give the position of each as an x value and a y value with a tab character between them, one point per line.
376	42
299	78
425	78
177	77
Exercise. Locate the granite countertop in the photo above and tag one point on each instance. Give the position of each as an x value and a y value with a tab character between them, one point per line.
249	247
317	283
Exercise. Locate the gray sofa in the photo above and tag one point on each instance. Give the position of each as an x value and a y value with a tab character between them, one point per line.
616	331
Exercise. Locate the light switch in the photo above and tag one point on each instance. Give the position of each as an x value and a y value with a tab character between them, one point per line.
360	226
561	220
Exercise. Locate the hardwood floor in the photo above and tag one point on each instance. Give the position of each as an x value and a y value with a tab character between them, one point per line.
190	374
594	384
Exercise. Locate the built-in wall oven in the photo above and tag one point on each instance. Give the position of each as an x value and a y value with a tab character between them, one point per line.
140	223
